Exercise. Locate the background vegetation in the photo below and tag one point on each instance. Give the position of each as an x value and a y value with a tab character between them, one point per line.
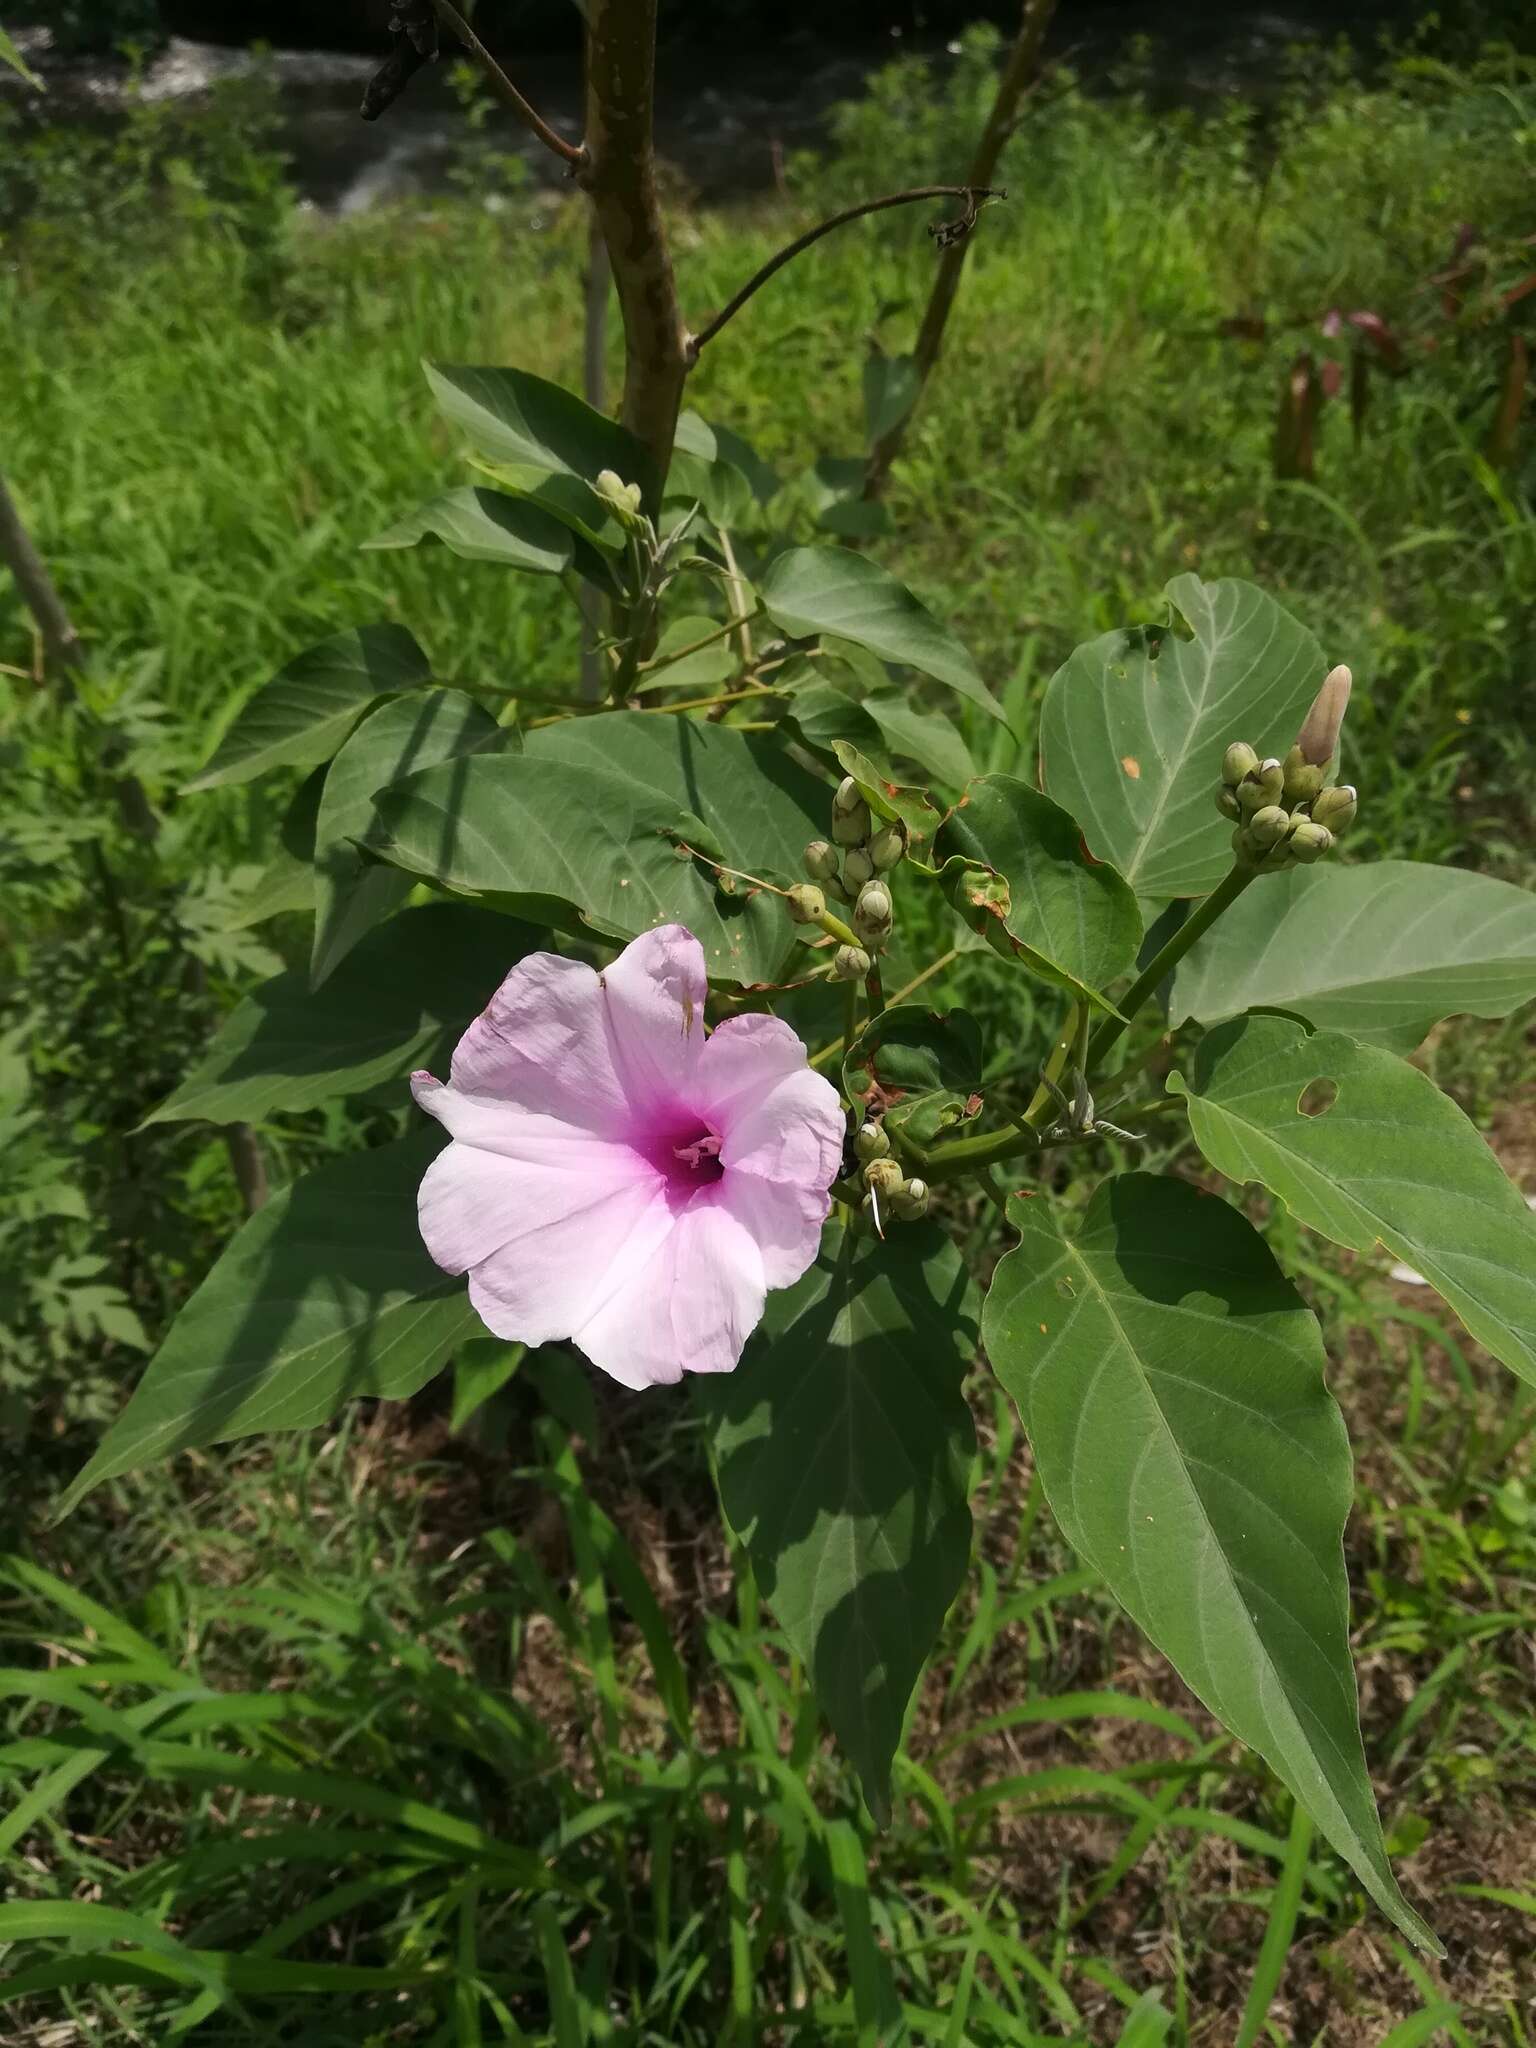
378	1735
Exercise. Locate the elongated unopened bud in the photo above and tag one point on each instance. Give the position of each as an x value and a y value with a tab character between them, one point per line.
1303	778
821	860
851	828
888	846
858	868
1309	842
1336	807
871	1142
851	963
1268	827
1261	786
807	904
1238	761
1319	735
847	796
883	1176
910	1202
872	913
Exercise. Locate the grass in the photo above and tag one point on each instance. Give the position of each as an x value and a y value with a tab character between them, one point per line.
406	1733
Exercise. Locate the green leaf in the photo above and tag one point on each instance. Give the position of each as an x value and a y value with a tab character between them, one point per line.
399	1002
1135	724
325	1295
701	471
310	706
807	591
1382	951
352	893
597	816
481	1368
925	737
925	1066
485	526
709	669
288	880
9	54
533	429
891	387
843	1444
890	796
1016	870
1365	1148
1171	1382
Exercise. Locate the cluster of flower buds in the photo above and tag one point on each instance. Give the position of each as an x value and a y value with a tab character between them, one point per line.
1287	813
622	499
888	1194
854	867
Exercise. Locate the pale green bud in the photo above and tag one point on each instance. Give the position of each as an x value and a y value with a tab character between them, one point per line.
871	1143
851	828
1309	842
883	1177
872	913
858	868
821	860
1238	761
623	498
888	846
851	963
1336	807
848	796
911	1202
1261	786
1302	779
1268	827
807	905
1227	803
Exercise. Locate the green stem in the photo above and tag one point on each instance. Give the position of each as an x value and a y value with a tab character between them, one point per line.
874	989
1152	978
675	654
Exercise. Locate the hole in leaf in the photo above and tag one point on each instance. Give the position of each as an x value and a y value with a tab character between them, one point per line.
1066	1290
1317	1098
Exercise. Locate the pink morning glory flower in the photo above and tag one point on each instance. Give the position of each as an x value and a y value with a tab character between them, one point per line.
618	1176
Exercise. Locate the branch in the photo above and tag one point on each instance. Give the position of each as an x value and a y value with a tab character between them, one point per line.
945	232
1019	74
572	153
61	643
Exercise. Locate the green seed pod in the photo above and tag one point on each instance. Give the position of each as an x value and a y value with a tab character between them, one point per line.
911	1202
872	914
1239	760
807	904
871	1143
1261	786
1302	779
883	1176
851	963
1268	827
851	828
1309	842
1227	803
858	868
888	846
820	860
1336	807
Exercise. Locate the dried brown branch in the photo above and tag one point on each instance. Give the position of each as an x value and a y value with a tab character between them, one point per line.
1019	74
571	153
61	643
946	233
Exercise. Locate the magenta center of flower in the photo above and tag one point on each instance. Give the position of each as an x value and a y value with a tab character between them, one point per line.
684	1151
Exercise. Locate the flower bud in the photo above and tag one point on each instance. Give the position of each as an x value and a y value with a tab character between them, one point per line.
872	913
883	1176
910	1202
851	963
888	846
1227	803
807	905
847	797
1238	761
1319	735
820	861
870	1143
623	498
1309	842
858	868
851	828
1302	779
1267	828
1261	786
1335	807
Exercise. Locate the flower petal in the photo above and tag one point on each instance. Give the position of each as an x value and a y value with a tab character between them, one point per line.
542	1044
690	1310
741	1061
654	996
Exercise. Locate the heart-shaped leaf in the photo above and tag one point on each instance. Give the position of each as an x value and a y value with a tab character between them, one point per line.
843	1446
807	591
1365	1148
1016	870
1171	1382
919	1068
1135	724
326	1294
397	1002
309	707
400	738
1382	952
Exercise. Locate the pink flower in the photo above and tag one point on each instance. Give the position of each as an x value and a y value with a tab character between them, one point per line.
617	1177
